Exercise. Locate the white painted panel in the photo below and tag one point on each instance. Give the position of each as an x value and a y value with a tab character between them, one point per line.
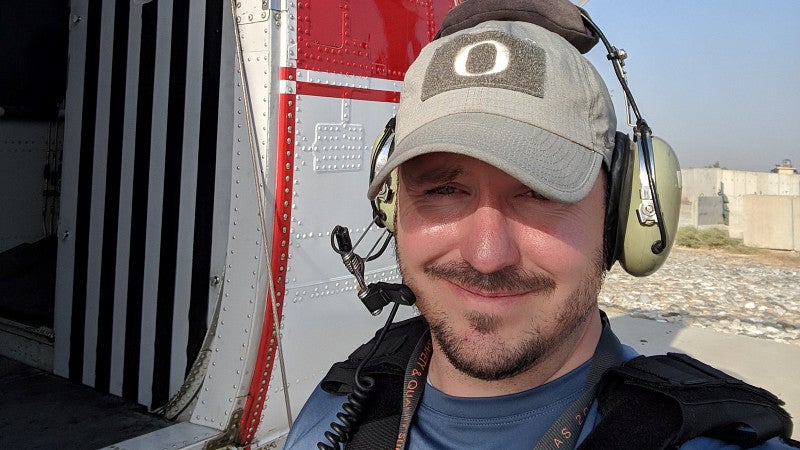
69	187
222	177
323	318
337	79
125	198
184	436
188	195
235	343
97	215
155	199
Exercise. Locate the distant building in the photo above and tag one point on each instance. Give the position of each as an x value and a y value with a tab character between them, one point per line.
784	167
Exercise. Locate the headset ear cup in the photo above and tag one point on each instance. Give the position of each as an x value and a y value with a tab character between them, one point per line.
386	202
636	255
383	205
617	198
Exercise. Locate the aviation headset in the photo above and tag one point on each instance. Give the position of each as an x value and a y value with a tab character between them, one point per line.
644	191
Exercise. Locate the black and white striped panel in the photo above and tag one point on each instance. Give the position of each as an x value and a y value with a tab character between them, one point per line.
146	182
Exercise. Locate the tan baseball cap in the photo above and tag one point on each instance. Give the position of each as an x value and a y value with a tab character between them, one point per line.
514	95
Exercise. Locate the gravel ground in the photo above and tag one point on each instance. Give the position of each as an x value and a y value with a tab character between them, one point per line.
752	295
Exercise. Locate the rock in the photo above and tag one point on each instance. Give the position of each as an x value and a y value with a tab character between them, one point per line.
715	291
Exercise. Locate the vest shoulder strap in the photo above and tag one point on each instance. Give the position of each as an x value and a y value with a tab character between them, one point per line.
380	418
390	359
662	401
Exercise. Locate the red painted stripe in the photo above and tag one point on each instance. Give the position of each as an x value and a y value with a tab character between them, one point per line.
326	90
288	73
267	348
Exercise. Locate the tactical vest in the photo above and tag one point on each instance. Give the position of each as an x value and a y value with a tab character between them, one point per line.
648	402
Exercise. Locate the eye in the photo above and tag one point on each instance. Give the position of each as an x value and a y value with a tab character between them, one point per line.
536	195
441	190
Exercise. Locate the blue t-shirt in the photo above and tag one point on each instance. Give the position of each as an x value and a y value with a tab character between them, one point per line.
509	422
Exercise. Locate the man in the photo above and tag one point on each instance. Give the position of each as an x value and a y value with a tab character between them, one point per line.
504	136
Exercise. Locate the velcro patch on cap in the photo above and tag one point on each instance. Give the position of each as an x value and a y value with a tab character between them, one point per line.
488	59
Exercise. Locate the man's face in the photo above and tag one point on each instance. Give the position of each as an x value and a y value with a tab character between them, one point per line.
504	276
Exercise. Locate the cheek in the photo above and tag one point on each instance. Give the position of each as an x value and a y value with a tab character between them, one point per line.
576	233
419	242
564	246
583	237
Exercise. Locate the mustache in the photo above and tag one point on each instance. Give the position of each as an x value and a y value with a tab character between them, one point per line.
506	279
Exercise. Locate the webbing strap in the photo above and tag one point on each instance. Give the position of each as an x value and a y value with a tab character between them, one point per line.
413	386
564	432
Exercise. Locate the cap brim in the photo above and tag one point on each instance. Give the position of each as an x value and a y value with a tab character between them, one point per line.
554	167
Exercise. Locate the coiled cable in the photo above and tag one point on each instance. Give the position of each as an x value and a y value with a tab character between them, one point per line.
349	417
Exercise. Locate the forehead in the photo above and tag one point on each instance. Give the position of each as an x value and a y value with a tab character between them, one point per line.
443	166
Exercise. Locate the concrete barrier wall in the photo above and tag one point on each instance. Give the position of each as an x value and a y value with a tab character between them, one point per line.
772	221
708	182
738	218
796	222
700	183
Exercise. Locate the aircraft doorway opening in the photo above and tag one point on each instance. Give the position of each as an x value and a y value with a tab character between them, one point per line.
33	75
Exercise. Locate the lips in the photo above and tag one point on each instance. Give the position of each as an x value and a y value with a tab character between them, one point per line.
489	294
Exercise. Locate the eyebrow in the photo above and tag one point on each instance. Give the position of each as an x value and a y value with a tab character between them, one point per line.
436	175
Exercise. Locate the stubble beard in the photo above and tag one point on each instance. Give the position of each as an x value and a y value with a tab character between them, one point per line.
488	357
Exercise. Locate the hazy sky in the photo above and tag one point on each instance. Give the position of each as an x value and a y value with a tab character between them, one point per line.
719	80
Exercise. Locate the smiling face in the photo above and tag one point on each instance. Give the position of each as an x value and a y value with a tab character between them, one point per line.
507	279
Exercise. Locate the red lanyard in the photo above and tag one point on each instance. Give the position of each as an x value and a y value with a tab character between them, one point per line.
413	385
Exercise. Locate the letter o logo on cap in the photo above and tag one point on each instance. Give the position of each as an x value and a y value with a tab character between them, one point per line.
501	60
491	59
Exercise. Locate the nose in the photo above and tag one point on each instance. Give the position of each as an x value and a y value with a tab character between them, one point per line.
489	243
